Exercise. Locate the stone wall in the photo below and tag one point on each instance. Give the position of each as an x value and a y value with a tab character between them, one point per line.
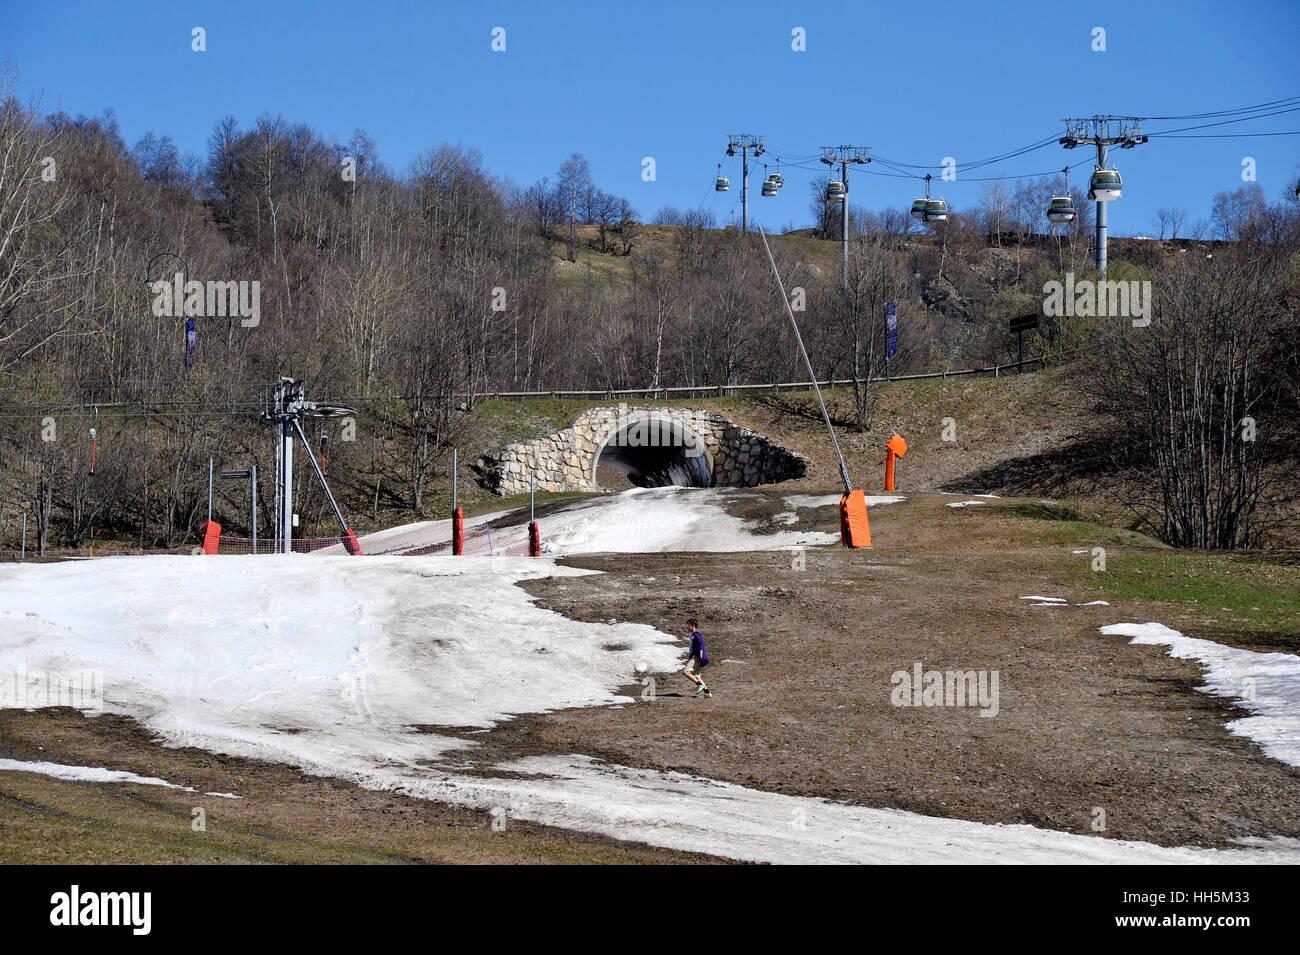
723	453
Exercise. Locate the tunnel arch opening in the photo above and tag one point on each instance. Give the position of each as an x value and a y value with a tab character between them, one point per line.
654	450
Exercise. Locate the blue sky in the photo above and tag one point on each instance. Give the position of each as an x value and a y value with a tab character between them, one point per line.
619	82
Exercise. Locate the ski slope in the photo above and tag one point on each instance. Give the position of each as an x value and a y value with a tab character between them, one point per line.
347	667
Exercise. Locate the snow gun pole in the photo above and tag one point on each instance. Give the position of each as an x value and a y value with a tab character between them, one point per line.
844	471
348	537
457	515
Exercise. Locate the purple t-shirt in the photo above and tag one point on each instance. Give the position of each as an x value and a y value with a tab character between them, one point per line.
697	647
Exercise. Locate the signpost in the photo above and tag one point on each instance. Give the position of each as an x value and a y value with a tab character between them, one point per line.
251	475
1025	323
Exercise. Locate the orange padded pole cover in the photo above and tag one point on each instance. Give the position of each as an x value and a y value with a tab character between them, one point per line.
855	531
211	537
534	540
457	532
889	469
350	542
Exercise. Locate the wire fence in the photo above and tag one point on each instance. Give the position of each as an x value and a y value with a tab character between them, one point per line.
85	553
481	540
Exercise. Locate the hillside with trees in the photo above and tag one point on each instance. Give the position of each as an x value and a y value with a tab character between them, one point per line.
409	294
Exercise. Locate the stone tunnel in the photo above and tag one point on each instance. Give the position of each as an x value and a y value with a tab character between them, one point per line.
643	447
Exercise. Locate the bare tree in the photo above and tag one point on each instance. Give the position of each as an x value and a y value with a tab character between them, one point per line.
573	183
1192	392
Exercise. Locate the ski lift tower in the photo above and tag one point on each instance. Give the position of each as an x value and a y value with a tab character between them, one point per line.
844	155
289	406
744	142
1103	132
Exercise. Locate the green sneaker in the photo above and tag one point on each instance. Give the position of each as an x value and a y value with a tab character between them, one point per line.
702	692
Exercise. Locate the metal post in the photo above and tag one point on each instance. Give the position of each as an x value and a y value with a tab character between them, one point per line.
286	485
1102	157
744	142
453	479
844	226
209	489
744	191
532	491
252	506
24	545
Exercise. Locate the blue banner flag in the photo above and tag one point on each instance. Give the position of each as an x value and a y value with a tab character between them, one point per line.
891	322
191	336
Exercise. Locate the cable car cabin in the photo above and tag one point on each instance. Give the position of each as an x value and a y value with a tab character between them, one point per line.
768	188
918	208
1061	209
723	184
777	180
836	192
936	210
1105	186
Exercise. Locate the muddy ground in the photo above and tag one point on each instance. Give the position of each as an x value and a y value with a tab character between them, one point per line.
283	816
801	676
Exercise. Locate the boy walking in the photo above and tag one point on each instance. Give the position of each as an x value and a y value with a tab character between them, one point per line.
697	661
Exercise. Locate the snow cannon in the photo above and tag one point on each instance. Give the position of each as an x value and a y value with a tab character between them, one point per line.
895	448
855	529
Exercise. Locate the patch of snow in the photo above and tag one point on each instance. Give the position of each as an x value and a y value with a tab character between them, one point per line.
785	517
825	500
1267	685
682	811
651	520
964	503
1050	600
249	654
93	774
1094	603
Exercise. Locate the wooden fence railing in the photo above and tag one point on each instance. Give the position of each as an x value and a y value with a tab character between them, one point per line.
720	391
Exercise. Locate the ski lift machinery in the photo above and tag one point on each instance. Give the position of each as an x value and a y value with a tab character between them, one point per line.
289	406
